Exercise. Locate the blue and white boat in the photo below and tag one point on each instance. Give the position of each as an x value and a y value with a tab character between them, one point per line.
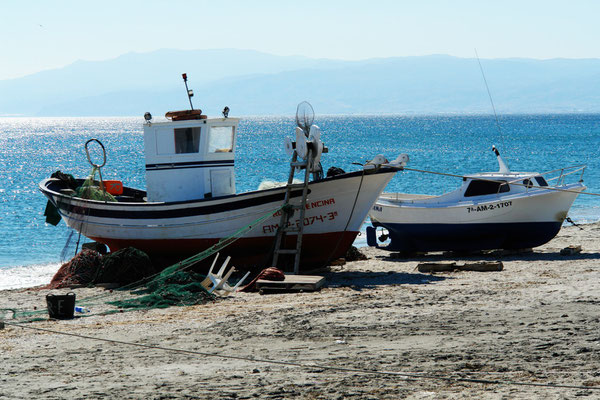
491	210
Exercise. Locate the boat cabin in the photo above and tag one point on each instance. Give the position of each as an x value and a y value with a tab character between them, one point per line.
494	183
190	159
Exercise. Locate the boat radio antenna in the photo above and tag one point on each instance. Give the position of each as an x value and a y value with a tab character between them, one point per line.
491	101
190	92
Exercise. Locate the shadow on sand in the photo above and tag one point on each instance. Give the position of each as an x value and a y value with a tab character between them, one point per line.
359	280
456	256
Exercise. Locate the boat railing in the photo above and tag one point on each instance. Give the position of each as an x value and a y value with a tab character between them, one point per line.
560	178
564	172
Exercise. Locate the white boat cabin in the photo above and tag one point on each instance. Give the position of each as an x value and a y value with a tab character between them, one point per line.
477	187
190	159
494	183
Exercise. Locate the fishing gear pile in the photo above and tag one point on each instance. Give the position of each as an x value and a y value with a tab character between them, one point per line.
89	267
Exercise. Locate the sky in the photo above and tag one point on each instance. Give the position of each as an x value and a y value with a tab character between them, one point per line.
38	35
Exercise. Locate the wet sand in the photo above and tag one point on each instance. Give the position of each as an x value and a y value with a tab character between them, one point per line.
535	322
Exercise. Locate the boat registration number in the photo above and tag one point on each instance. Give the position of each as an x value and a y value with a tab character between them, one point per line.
489	207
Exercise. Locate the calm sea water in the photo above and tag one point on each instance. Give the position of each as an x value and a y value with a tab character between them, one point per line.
33	148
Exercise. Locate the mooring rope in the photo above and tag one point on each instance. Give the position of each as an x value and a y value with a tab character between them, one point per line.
309	366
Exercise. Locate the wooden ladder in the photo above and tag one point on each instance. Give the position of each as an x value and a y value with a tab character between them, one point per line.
288	211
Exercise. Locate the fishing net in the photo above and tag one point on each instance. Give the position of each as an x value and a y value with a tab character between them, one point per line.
125	266
81	270
68	179
177	285
179	288
90	190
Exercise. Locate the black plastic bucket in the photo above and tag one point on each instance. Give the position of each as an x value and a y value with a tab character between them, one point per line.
61	306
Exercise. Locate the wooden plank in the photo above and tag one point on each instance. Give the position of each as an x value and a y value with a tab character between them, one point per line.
292	283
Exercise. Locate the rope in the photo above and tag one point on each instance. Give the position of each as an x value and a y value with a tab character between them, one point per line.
310	366
569	220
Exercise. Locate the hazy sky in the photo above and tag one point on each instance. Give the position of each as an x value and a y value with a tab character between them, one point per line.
38	35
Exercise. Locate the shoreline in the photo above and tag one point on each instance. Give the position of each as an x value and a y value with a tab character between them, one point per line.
534	322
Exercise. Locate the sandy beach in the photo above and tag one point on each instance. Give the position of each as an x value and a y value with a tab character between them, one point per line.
430	336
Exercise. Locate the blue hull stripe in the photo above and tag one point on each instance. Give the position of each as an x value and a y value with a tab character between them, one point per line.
457	237
190	164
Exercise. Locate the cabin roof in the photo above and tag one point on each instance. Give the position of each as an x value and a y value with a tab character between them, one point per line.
501	175
199	122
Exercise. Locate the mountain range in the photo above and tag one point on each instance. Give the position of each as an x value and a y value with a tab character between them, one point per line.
255	83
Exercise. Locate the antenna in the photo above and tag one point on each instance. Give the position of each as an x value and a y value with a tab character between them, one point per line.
491	101
190	93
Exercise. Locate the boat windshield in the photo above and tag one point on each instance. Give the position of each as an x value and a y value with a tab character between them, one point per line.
482	188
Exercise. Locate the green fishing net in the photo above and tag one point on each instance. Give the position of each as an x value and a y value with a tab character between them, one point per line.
90	189
169	288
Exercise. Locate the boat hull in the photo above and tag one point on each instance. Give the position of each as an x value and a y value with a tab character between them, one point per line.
336	208
498	222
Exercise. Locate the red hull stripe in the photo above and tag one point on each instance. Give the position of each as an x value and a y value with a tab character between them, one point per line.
317	249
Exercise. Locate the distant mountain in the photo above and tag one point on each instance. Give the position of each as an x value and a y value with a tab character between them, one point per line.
251	82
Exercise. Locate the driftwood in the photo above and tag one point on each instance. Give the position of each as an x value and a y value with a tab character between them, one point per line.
436	266
482	266
510	252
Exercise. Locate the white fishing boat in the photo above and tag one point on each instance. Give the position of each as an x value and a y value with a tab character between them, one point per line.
491	210
191	202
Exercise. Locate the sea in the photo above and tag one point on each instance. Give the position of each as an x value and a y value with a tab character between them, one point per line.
31	149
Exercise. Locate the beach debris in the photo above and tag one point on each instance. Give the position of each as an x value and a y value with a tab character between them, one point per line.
509	252
337	263
291	283
445	266
449	266
1	325
217	282
482	266
61	306
354	254
570	250
269	274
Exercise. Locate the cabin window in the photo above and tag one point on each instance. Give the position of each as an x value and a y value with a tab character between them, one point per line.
187	140
527	183
481	188
220	139
541	181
